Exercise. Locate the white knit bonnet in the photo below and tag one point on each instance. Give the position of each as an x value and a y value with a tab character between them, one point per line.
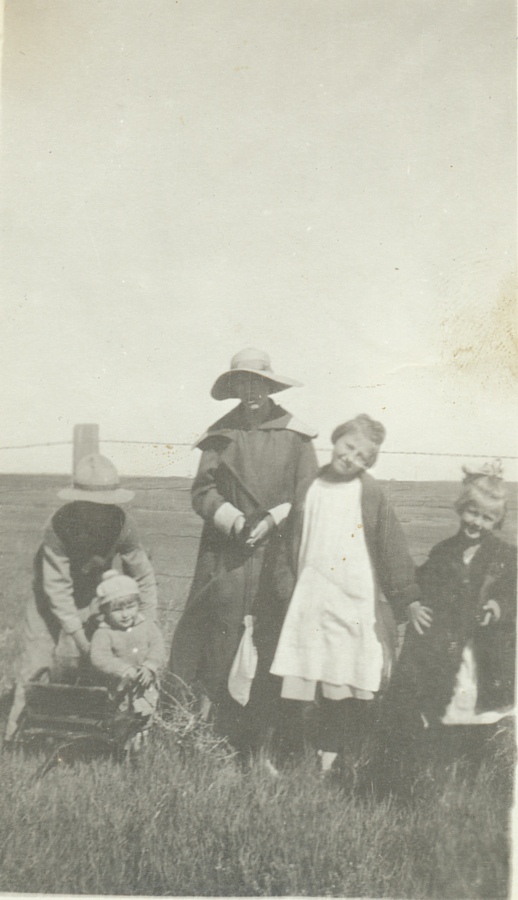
115	586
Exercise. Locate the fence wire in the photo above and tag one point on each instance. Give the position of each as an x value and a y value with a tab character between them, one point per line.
171	444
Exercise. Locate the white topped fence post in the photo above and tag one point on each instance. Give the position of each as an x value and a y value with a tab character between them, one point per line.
86	441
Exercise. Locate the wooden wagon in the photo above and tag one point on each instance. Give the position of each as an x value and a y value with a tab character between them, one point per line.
75	721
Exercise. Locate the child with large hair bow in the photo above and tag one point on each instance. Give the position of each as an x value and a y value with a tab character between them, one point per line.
457	668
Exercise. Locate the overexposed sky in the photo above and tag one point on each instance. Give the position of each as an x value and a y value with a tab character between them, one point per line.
330	180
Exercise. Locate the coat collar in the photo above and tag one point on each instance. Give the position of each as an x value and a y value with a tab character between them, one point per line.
458	543
276	419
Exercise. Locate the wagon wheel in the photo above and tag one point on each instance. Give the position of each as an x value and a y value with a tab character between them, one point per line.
80	740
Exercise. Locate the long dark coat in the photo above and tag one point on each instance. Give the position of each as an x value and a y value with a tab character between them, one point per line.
455	592
255	471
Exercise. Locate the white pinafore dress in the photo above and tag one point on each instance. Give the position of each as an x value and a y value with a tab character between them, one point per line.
334	633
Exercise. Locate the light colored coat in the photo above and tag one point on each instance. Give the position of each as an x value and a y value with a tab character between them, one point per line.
113	651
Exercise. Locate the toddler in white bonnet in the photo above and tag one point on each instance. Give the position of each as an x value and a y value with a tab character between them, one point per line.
127	648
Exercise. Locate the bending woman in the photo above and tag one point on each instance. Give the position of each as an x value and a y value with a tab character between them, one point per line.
79	543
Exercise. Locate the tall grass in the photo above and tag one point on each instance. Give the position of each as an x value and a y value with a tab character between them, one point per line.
186	818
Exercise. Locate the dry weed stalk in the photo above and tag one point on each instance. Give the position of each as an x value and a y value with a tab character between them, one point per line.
180	716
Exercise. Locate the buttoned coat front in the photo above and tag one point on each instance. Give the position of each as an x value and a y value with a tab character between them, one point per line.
113	651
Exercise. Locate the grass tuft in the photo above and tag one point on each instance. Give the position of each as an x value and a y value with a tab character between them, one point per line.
185	818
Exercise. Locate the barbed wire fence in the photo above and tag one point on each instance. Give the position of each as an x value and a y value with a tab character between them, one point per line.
171	444
173	582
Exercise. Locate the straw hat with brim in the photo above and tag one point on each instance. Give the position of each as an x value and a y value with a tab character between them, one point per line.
96	480
255	362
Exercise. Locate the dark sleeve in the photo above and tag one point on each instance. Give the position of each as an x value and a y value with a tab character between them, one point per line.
395	566
307	468
431	575
504	589
206	498
283	573
285	568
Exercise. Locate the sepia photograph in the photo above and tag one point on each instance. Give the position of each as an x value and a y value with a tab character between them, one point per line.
259	451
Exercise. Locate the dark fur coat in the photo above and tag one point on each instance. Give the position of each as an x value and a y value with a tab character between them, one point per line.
456	592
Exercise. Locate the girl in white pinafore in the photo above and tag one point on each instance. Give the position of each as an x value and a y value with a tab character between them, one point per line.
339	631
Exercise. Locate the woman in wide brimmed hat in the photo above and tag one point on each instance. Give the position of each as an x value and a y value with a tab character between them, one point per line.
79	543
255	461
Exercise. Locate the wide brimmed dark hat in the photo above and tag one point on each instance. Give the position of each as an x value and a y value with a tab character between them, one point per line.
256	362
96	480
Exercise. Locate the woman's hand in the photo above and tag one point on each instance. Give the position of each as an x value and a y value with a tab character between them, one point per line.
493	613
419	616
260	531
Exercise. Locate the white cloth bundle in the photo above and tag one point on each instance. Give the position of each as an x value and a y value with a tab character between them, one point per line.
244	666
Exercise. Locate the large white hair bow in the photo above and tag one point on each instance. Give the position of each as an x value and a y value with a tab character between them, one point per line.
492	469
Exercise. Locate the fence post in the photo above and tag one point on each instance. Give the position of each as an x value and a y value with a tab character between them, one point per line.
86	441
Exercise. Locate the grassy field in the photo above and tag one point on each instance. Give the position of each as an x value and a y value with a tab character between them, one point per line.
186	817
